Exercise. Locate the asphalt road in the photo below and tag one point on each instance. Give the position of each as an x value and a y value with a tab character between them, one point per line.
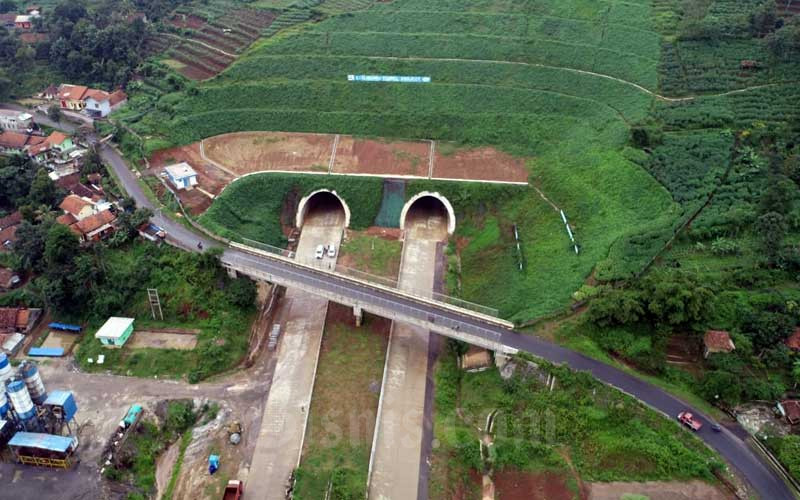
760	476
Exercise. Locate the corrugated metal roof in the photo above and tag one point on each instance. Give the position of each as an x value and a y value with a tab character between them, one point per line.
41	441
57	398
50	352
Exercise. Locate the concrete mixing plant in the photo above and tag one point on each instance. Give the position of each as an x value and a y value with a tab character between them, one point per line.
32	422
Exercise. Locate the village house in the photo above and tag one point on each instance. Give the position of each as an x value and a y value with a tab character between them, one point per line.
96	103
790	410
91	228
15	120
17	142
23	22
181	175
56	145
18	319
717	341
8	279
70	97
8	230
77	207
72	183
100	104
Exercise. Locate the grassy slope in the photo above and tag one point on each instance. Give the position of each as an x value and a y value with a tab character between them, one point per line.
573	125
609	436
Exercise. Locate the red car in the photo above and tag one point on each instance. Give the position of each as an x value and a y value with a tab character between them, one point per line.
234	490
689	421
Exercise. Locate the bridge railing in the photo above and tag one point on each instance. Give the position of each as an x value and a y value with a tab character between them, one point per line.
436	320
381	280
489	313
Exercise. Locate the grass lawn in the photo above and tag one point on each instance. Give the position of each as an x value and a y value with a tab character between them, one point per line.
371	254
343	408
607	435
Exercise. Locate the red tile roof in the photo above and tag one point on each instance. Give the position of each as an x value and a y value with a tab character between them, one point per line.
10	220
13	140
94	222
8	319
718	341
57	138
117	96
793	342
68	181
73	92
73	204
8	234
66	219
97	95
792	409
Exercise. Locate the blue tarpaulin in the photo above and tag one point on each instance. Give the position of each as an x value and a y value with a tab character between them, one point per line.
51	352
65	327
41	441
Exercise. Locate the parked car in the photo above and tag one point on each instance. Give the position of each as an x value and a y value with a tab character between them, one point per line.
689	421
320	251
331	250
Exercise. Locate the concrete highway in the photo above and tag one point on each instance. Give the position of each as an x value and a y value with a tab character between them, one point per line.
761	477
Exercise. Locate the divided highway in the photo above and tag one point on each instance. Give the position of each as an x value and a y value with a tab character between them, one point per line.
763	479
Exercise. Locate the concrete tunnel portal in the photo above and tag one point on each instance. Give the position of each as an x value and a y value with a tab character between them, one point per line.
431	203
321	200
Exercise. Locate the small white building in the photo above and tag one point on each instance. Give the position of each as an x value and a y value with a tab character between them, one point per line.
115	332
15	120
181	175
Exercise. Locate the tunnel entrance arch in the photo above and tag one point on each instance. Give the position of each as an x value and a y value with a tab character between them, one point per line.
320	196
451	215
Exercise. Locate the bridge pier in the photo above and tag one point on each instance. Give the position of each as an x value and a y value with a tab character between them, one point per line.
232	273
359	314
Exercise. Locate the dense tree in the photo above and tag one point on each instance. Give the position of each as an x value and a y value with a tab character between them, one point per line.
7	6
30	244
16	175
241	292
771	227
677	298
54	113
44	191
60	249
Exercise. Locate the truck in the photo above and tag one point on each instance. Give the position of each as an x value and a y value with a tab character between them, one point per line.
689	421
234	490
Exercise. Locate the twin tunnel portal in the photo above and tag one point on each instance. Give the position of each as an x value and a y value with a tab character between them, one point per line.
397	450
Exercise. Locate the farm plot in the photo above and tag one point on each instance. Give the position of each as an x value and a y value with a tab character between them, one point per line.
212	44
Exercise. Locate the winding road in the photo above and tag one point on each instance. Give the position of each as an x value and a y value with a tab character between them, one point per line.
736	451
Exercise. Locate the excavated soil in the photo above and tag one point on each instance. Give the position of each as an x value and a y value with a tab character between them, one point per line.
247	152
362	156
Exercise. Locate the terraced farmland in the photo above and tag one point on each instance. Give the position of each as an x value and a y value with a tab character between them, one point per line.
213	43
557	83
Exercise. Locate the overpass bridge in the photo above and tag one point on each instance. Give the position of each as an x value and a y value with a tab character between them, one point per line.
453	321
